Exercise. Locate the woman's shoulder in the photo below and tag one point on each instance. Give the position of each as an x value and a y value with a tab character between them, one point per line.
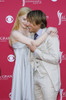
14	32
13	35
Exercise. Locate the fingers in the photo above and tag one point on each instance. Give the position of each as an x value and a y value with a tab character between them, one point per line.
53	29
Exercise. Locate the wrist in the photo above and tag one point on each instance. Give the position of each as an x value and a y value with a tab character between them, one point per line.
47	32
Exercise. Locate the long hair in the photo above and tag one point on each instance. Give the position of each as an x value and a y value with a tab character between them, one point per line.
21	12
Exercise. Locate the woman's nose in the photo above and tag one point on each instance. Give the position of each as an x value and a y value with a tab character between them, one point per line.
28	23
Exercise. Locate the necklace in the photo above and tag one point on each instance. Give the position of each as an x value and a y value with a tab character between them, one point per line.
25	32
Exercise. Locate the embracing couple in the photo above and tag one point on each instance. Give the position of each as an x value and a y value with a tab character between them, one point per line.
36	74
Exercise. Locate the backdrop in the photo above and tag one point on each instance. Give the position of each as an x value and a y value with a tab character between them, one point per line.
55	11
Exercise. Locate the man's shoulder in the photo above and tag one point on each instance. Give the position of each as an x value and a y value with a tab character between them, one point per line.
44	29
52	39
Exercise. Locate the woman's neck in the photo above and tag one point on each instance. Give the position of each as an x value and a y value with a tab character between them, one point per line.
24	31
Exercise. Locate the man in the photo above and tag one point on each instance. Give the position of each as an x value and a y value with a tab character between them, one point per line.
45	59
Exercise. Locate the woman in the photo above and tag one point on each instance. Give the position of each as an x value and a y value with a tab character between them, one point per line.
22	84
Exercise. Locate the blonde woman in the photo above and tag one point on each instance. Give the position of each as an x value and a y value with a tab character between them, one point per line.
22	83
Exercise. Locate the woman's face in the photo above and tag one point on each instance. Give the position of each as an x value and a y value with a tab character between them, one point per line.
23	21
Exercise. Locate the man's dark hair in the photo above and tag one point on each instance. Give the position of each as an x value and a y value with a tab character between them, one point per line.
37	17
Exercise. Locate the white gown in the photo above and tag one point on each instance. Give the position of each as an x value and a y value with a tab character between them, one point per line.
22	83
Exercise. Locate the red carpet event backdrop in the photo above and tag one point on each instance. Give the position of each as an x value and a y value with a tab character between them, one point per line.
55	11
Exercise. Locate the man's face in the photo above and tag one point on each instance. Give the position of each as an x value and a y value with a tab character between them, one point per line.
33	27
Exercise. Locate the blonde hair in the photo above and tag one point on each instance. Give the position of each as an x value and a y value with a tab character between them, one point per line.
21	12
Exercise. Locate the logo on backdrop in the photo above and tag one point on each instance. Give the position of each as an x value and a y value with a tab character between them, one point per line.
4	39
2	0
5	77
62	94
11	58
61	17
9	19
54	0
10	95
47	17
31	1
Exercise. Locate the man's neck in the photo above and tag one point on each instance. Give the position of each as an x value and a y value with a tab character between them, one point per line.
39	32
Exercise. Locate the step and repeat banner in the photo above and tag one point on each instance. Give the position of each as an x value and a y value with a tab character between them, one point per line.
55	11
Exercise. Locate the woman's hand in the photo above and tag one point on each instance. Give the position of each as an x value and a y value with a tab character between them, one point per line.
53	31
